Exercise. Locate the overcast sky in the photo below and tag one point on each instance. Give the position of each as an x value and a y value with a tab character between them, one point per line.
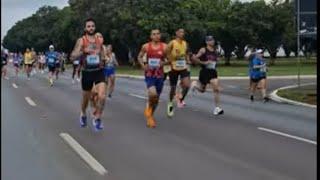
15	10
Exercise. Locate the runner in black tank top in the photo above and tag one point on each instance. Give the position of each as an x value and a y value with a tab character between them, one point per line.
207	57
90	47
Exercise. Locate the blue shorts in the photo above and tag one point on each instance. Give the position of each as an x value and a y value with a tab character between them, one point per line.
109	72
156	82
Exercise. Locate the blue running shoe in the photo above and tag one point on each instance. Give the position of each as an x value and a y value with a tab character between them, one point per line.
97	123
83	121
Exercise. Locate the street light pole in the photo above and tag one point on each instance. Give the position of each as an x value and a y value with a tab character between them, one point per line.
298	40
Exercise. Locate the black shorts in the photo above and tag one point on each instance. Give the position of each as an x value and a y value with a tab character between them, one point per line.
205	75
174	76
76	66
52	68
256	80
89	78
28	65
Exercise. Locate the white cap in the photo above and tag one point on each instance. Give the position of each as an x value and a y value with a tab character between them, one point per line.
51	46
259	51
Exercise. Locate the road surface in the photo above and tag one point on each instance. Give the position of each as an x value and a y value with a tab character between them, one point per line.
250	141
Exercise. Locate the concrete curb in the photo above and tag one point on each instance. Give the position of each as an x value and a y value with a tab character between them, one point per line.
277	98
226	77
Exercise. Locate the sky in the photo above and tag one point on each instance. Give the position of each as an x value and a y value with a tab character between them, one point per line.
14	10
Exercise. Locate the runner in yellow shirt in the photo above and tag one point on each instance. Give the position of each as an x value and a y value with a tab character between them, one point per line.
28	60
178	57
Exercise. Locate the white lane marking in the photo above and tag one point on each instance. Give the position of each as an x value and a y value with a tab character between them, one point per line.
288	135
29	100
14	85
138	96
88	158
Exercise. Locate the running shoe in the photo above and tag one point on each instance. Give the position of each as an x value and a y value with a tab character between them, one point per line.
218	111
83	121
51	82
265	99
193	87
180	103
78	79
170	109
151	123
251	98
97	123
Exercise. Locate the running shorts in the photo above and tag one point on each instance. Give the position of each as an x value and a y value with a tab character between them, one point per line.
205	75
156	82
109	72
90	78
174	76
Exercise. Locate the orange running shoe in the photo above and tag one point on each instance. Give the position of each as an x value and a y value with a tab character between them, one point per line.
151	123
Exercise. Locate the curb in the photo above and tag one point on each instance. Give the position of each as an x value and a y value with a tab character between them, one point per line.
279	99
226	77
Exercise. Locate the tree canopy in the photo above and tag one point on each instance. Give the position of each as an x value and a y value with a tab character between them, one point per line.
126	24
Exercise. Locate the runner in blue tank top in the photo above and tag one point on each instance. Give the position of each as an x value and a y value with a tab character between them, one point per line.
51	59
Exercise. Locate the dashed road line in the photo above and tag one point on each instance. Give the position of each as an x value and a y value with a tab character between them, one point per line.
88	158
30	101
288	135
14	85
138	96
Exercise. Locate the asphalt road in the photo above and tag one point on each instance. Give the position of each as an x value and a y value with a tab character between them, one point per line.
250	141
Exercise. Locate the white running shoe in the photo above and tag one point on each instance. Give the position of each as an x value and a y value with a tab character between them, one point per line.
193	87
218	111
78	79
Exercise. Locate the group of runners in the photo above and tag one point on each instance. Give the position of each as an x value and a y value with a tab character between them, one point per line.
159	60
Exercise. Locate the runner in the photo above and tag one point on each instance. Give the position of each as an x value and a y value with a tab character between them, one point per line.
28	60
4	59
257	70
178	57
16	63
207	57
34	62
154	77
76	70
51	59
109	70
58	65
63	61
93	84
42	62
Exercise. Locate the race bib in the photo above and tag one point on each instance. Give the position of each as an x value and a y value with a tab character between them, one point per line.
263	69
76	62
211	65
110	65
181	63
154	62
51	60
93	59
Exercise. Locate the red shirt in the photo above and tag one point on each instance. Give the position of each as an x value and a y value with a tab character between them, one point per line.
154	57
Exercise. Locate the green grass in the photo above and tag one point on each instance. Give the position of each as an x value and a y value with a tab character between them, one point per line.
283	66
240	68
305	94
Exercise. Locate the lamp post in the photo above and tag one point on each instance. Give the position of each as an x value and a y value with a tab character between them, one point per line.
298	40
